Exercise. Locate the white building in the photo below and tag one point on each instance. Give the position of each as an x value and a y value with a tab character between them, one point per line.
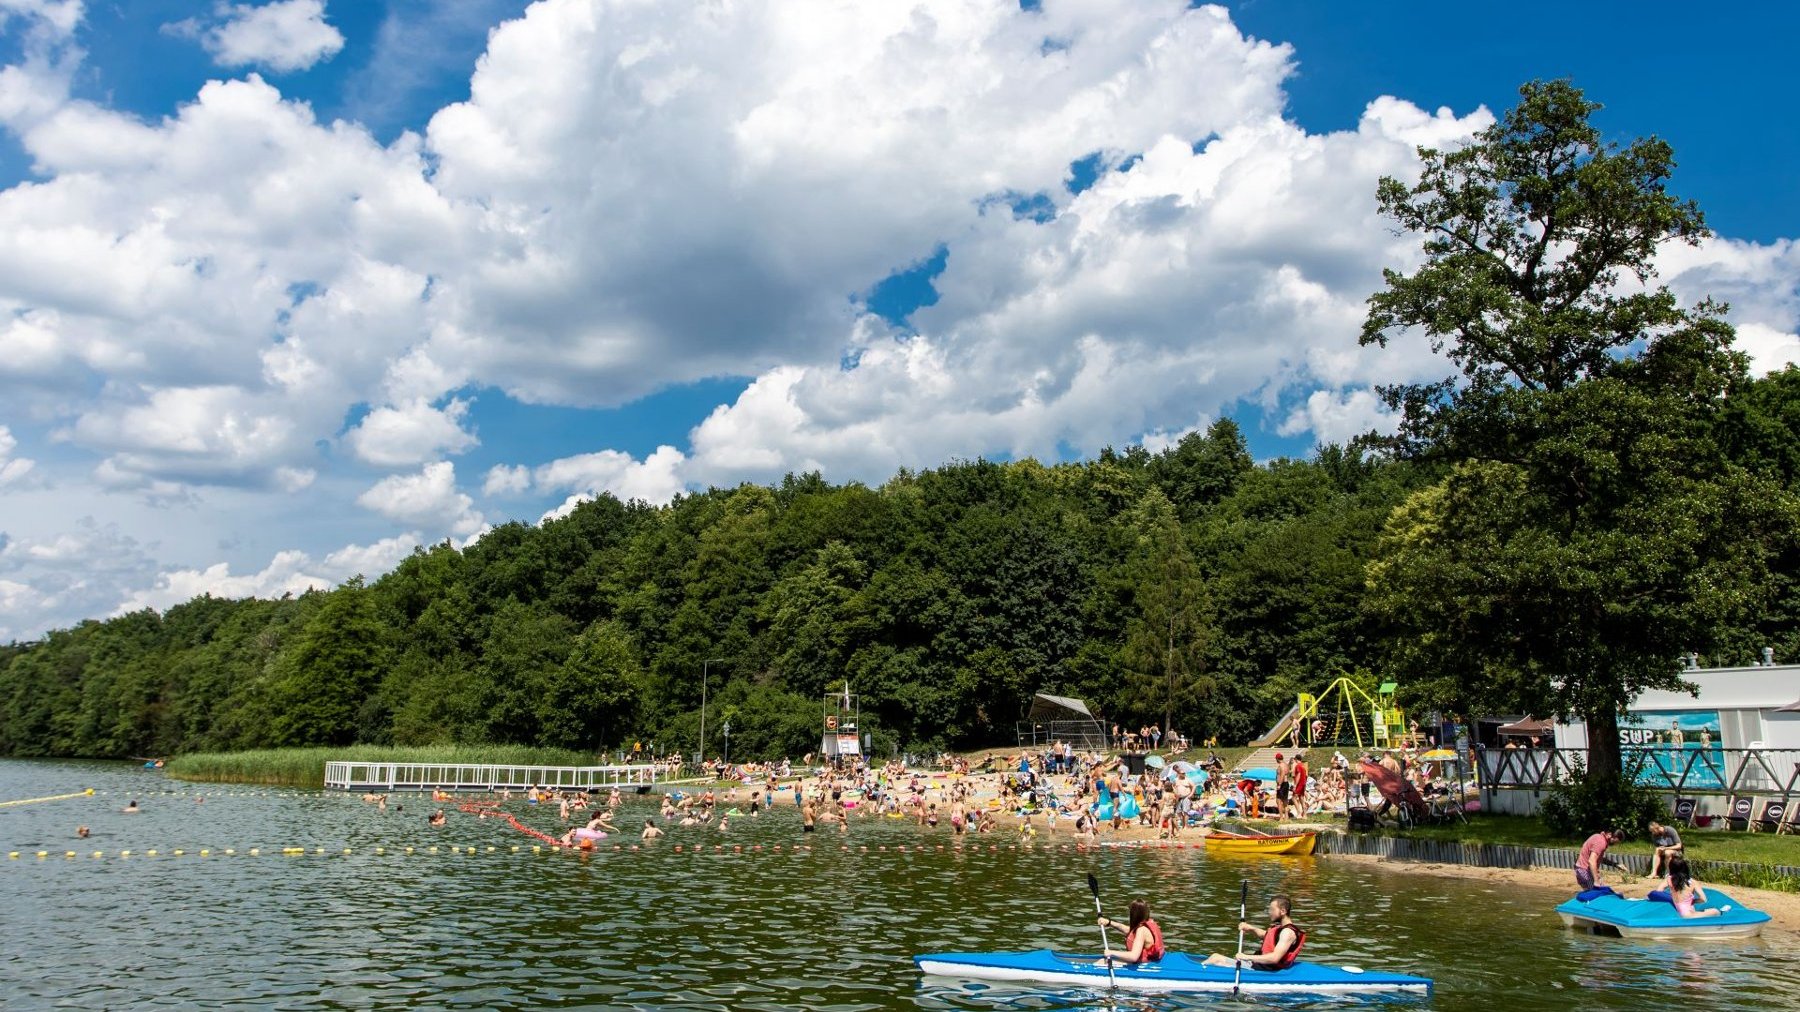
1735	708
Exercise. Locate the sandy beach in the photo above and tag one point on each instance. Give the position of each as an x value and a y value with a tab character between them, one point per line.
1783	908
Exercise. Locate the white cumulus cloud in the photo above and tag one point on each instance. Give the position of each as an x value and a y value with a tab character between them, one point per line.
641	194
287	35
411	433
289	572
428	499
13	469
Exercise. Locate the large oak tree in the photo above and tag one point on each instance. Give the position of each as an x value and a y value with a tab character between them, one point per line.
1589	529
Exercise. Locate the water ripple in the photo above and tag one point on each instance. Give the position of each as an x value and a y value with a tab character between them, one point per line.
730	926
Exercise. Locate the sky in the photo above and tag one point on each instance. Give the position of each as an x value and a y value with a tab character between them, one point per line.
288	288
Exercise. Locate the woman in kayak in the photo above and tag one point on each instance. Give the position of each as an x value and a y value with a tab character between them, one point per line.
1143	936
1281	940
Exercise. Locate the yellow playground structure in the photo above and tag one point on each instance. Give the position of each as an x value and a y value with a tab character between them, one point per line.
1345	714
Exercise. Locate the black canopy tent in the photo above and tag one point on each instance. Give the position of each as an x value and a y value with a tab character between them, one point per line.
1529	728
1061	718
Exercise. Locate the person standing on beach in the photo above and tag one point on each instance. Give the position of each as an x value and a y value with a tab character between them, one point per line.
1298	772
1587	864
1284	784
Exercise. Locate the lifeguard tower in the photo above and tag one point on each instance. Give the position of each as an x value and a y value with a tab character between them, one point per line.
839	723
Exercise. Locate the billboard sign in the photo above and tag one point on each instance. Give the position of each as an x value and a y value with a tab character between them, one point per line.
1673	742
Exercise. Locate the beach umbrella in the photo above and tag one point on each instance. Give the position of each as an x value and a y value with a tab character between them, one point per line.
1257	773
1181	766
1155	762
1438	753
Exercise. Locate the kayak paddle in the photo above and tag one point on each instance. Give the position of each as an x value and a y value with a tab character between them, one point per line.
1237	975
1105	947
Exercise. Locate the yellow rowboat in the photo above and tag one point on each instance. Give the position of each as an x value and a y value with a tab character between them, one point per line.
1286	843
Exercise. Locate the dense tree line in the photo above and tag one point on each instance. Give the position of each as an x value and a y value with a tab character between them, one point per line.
1189	584
1603	487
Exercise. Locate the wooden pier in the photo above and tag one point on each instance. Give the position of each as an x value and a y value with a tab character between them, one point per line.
462	777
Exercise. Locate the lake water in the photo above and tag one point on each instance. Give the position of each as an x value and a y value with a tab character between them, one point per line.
825	930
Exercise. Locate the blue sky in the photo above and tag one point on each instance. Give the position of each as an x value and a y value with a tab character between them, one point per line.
294	285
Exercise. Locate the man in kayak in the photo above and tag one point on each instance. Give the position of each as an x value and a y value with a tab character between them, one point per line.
1143	936
1281	940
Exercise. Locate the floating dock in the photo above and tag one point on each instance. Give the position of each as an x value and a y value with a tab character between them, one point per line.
461	777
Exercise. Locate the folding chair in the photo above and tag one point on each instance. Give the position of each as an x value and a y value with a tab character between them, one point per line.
1791	824
1739	815
1684	811
1774	813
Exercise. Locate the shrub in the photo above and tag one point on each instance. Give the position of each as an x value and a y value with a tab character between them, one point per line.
1582	805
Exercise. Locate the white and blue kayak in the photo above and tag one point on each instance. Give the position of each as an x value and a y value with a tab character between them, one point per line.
1611	913
1174	972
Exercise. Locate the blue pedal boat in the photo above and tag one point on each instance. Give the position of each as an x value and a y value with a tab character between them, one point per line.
1610	913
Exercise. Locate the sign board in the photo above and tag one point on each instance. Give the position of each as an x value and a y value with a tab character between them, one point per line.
1668	742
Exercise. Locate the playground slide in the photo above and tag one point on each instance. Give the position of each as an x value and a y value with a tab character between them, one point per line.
1396	790
1279	732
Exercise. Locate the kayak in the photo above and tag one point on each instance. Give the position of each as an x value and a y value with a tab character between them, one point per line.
1174	972
1611	913
1285	843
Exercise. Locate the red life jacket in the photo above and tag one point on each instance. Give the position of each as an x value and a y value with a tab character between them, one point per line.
1293	953
1156	950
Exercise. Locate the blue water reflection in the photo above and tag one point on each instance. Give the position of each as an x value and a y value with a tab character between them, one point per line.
832	929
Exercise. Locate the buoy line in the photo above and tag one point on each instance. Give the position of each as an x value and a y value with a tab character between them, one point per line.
54	797
617	848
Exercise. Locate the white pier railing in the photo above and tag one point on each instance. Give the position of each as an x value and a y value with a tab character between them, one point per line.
375	776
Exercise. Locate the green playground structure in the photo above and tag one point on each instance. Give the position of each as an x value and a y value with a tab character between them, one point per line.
1343	714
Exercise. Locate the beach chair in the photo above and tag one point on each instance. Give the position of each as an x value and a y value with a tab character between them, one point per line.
1685	809
1739	815
1774	813
1791	824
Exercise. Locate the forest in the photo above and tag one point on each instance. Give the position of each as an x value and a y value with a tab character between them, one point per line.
1603	487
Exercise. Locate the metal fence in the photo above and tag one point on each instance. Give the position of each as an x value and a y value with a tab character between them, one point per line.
1083	734
1750	782
370	776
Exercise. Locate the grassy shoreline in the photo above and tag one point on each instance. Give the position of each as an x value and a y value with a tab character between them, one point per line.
305	767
